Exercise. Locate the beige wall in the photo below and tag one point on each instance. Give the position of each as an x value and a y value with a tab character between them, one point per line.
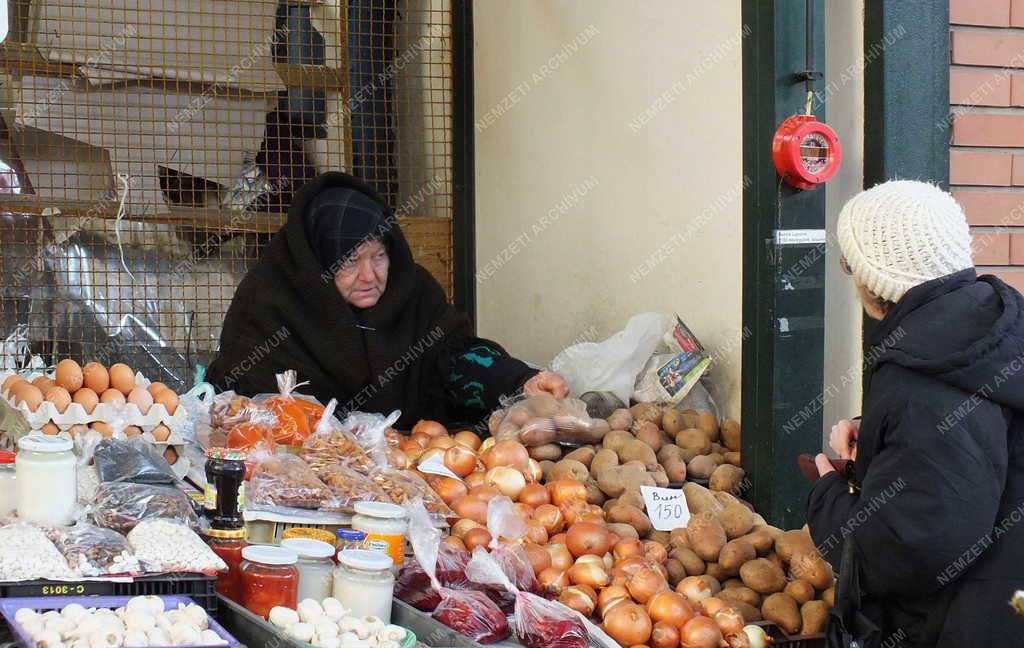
609	172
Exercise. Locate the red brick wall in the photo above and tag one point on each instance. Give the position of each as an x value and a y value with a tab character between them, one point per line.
986	163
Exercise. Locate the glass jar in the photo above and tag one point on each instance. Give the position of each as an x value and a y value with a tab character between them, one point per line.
316	567
385	526
47	480
269	579
350	539
8	494
363	582
308	533
228	544
223	495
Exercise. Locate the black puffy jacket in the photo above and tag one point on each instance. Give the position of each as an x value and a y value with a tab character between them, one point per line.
938	522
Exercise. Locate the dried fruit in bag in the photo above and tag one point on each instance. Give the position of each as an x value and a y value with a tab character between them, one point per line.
330	445
285	480
348	487
94	551
292	426
403	486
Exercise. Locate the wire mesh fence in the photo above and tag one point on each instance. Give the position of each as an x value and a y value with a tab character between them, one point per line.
151	148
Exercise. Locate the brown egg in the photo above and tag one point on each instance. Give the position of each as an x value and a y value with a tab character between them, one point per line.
141	398
156	387
102	428
51	428
171	455
59	397
10	381
161	433
87	398
43	383
78	428
167	398
122	378
112	396
132	430
29	394
69	375
95	377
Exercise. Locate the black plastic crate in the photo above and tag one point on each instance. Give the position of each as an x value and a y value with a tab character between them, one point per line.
198	587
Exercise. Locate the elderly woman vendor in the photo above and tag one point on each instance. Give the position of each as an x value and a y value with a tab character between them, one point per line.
338	298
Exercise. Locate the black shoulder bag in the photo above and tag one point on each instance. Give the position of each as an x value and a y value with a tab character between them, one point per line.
848	626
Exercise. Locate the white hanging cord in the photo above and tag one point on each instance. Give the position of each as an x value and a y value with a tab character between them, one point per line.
126	187
810	102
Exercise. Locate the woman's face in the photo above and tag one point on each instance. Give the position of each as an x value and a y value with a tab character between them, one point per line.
364	275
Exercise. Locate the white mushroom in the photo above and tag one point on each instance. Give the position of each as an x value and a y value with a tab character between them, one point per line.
333	609
48	639
327	642
325	628
283	617
301	631
24	614
355	626
387	644
196	615
347	637
74	611
60	625
392	633
105	639
139	620
373	623
135	638
164	623
158	637
211	638
185	634
309	609
34	626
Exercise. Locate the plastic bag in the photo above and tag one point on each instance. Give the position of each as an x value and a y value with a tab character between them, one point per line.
674	369
88	479
94	551
132	460
507	529
284	480
413	585
470	613
122	505
404	486
330	444
28	554
348	487
612	364
297	416
370	431
536	622
543	419
163	545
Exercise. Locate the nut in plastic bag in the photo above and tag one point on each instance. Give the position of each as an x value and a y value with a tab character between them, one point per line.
163	545
331	444
120	506
93	551
284	480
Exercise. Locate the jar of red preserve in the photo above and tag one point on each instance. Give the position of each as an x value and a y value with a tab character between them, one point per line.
228	544
269	578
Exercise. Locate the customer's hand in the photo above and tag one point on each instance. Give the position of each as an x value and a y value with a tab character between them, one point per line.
823	465
546	382
843	439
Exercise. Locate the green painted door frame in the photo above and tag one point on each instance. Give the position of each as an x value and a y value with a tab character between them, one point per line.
783	284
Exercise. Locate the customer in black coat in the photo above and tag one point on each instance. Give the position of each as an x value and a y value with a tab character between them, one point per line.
935	509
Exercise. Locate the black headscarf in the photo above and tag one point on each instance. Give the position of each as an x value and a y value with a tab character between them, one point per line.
338	220
287	314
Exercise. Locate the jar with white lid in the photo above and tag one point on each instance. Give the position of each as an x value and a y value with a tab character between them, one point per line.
363	583
46	479
385	526
8	494
316	567
269	579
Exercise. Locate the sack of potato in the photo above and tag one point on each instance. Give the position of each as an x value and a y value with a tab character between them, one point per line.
544	419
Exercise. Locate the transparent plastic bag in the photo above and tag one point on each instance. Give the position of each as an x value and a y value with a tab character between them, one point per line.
132	460
539	420
297	414
27	554
507	529
470	613
284	480
348	487
94	551
405	486
413	585
121	506
536	622
163	545
331	444
370	431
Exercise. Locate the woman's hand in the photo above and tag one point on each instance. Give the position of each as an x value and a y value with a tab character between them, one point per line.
823	465
843	439
546	382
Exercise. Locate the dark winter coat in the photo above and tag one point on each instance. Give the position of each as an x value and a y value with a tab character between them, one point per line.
938	522
411	351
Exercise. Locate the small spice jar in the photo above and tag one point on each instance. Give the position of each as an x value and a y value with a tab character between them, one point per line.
8	494
385	526
224	497
350	539
228	544
269	578
316	567
363	583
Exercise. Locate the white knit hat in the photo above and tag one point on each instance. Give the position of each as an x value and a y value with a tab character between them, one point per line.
902	233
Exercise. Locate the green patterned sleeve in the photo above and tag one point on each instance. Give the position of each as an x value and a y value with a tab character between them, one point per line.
480	373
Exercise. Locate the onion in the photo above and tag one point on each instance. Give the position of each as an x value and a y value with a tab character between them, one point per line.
607	606
460	528
468	439
507	454
729	621
413	453
475	479
420	439
565	490
525	512
711	605
629	565
644	583
664	635
535	532
471	507
460	460
478	537
398	458
628	624
484	492
589	573
655	551
579	598
455	542
756	635
670	606
700	632
627	548
561	557
587	538
450	490
553	580
535	495
487	444
507	480
538	556
738	640
574	510
695	588
558	538
442	442
609	561
534	473
429	428
430	453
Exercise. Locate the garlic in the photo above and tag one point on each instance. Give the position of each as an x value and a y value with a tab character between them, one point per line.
283	617
135	637
333	609
196	615
48	639
164	623
185	634
309	609
211	638
301	631
177	616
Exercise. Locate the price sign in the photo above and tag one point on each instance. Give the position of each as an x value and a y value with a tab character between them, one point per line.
666	507
435	466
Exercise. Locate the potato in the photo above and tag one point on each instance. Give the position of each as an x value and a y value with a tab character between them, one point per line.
700	499
731	434
592	434
760	539
775	559
637	450
677	538
603	458
793	542
620	419
812	568
740	593
646	412
726	478
622	530
570	469
672	421
675	469
661	537
537	431
631	515
633	498
585	455
708	424
734	554
691	561
669	451
507	430
648	433
543	405
616	480
615	439
594	494
701	467
763	576
545	468
727	499
749	613
494	421
676	571
733	458
706	535
546	452
690	417
694	440
518	414
829	596
800	591
814	615
717	448
737	520
715	570
660	477
781	610
732	582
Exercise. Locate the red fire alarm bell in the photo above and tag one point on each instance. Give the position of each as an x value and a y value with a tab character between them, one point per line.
806	152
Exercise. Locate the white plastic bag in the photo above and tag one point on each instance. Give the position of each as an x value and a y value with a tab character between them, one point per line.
613	364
